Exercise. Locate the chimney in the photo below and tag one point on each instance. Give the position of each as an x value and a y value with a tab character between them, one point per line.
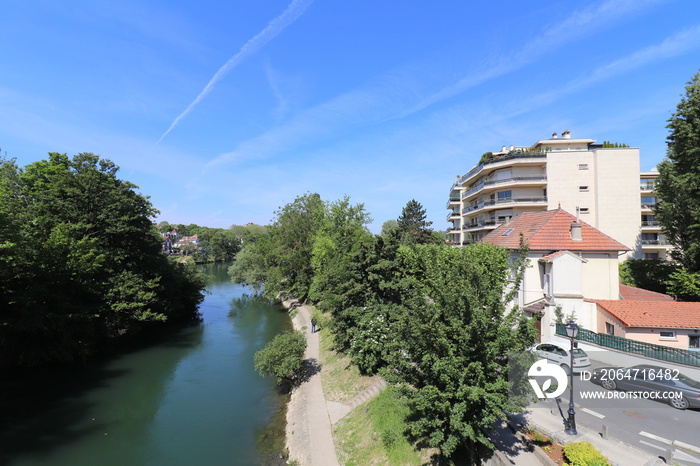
575	231
554	135
566	134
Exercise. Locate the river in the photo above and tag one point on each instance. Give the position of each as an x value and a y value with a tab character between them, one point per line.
191	398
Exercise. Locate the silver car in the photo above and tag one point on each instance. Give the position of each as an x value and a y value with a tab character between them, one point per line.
560	356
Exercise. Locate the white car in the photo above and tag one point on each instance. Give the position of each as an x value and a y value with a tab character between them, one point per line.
559	355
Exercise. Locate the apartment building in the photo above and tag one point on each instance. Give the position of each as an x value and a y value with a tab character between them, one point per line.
653	243
598	182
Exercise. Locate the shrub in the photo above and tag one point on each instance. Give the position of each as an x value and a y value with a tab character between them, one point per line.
584	454
283	357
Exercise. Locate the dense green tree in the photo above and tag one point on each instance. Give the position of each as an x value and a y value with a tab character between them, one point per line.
283	357
412	226
678	184
450	349
341	234
252	264
86	265
648	274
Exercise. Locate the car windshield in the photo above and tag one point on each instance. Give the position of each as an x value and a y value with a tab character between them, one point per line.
688	381
579	353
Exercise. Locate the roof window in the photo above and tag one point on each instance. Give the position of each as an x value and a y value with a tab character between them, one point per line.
508	232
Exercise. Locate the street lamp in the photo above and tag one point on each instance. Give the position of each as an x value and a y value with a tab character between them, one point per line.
572	333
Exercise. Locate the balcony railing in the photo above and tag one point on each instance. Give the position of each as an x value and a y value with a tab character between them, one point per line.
453	214
501	159
648	205
650	223
647	186
508	200
654	242
513	179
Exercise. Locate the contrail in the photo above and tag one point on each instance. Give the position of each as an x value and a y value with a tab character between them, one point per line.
274	27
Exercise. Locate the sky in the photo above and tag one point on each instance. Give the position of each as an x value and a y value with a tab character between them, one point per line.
223	112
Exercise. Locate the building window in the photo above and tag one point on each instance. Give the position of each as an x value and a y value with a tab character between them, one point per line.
609	328
583	210
505	196
583	189
583	166
667	335
651	255
648	201
694	342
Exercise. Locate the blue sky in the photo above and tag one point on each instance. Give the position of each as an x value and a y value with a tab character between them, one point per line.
224	111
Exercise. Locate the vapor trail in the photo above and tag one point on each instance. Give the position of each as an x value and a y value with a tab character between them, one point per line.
274	27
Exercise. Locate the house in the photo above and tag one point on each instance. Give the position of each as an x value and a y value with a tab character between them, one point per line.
599	181
187	240
660	322
570	264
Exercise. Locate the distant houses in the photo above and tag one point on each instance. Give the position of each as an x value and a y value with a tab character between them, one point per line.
174	244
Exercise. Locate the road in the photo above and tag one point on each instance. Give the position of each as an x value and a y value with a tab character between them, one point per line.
653	426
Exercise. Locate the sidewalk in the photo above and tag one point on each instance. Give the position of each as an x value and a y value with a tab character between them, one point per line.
546	419
310	438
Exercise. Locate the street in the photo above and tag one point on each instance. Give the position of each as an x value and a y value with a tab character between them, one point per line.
653	426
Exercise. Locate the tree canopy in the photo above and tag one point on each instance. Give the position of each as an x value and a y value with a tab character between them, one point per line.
678	188
81	261
678	184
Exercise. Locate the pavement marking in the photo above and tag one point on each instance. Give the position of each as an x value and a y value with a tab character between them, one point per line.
652	445
656	437
686	446
592	413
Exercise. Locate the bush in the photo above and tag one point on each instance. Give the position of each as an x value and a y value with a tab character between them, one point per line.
283	357
584	454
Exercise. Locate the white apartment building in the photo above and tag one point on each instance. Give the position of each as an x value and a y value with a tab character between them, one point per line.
598	182
653	242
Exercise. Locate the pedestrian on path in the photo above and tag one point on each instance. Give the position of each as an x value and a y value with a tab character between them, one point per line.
313	324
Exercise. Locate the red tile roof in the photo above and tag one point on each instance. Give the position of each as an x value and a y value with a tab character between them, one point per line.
631	293
550	231
666	314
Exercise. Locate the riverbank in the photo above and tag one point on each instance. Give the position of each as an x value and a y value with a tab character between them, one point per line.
309	431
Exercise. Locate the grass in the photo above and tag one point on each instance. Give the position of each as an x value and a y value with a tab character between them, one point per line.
374	434
341	379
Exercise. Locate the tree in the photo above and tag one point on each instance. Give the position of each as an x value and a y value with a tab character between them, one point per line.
86	266
342	233
413	228
648	274
449	354
678	184
292	237
283	357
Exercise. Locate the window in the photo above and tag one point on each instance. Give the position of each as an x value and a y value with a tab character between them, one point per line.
648	201
583	166
505	196
609	328
693	341
651	255
508	232
583	189
583	210
667	335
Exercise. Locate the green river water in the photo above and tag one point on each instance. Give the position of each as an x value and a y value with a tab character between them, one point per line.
192	398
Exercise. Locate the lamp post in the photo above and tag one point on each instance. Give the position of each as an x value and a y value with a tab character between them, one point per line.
571	332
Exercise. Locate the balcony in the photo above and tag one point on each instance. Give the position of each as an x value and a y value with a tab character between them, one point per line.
528	180
501	159
453	200
508	201
647	186
650	223
453	216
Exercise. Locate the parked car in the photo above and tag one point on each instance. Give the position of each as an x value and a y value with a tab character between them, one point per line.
559	355
650	378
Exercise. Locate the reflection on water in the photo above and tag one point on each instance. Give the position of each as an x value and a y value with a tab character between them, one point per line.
190	398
